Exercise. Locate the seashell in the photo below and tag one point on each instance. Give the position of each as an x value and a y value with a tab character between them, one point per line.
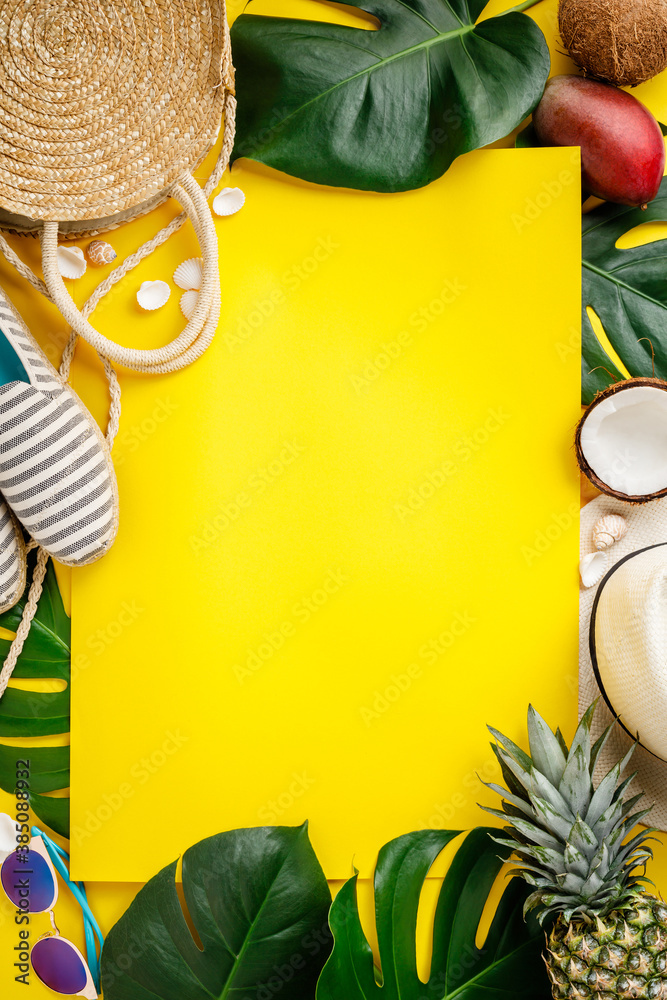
592	568
8	836
71	262
100	253
153	295
609	529
188	302
229	201
189	274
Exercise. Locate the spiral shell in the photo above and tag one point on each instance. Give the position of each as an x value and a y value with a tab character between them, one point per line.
592	568
71	262
188	275
100	253
153	295
609	529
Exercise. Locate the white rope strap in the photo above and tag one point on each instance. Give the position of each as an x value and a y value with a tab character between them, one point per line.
29	612
190	345
162	358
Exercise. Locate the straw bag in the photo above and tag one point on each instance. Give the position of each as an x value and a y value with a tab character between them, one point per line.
106	108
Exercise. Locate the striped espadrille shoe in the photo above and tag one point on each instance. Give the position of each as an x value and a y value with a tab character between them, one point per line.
56	473
12	559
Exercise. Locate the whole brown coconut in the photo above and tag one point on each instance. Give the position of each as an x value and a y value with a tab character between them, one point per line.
621	41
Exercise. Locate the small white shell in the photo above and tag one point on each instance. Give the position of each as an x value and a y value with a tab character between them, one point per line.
100	253
188	302
188	275
153	294
609	529
71	262
592	568
8	836
229	201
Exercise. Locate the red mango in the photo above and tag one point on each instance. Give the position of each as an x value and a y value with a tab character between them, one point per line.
622	147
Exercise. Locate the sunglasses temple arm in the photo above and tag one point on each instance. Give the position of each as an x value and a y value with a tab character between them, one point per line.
91	928
91	952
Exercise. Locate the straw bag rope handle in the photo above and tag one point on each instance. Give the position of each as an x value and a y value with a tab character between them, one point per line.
193	350
198	333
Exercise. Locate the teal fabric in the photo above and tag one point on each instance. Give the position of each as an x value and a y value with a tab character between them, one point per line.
11	368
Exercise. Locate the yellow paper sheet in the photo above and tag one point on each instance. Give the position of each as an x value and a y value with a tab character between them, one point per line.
348	533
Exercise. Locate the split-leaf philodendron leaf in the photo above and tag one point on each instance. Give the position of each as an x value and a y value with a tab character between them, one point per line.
27	713
507	964
258	901
386	109
627	291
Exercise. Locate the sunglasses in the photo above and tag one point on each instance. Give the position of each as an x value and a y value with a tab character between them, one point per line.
29	880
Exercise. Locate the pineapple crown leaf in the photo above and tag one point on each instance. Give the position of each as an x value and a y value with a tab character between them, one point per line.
604	795
575	785
575	861
512	749
542	788
521	804
632	821
599	745
582	737
535	899
623	785
568	834
524	775
583	838
545	750
561	739
515	787
557	825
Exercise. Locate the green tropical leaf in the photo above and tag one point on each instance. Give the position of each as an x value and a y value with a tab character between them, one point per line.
386	109
627	291
258	901
508	963
54	812
45	655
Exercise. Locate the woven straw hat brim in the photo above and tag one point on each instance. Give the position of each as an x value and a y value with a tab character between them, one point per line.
647	525
104	104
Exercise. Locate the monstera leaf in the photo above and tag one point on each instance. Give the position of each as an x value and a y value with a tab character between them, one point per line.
628	292
46	655
386	109
507	965
258	903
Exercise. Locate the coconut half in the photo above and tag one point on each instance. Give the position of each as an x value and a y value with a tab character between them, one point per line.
621	440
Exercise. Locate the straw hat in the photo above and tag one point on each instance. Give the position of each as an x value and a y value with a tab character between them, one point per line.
623	643
104	105
106	108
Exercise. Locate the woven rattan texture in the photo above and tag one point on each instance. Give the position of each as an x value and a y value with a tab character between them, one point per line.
104	104
647	524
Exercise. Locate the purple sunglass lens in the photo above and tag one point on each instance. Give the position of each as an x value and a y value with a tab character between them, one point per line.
28	881
59	965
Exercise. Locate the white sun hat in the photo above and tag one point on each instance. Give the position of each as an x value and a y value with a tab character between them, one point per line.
623	642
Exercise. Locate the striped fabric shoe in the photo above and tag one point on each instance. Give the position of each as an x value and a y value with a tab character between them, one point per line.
56	473
12	559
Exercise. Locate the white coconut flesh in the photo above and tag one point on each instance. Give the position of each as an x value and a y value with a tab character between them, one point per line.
624	440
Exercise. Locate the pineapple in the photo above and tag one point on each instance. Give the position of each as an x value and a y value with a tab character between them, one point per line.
607	936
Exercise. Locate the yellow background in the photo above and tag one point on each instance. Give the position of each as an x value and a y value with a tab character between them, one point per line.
552	685
324	541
